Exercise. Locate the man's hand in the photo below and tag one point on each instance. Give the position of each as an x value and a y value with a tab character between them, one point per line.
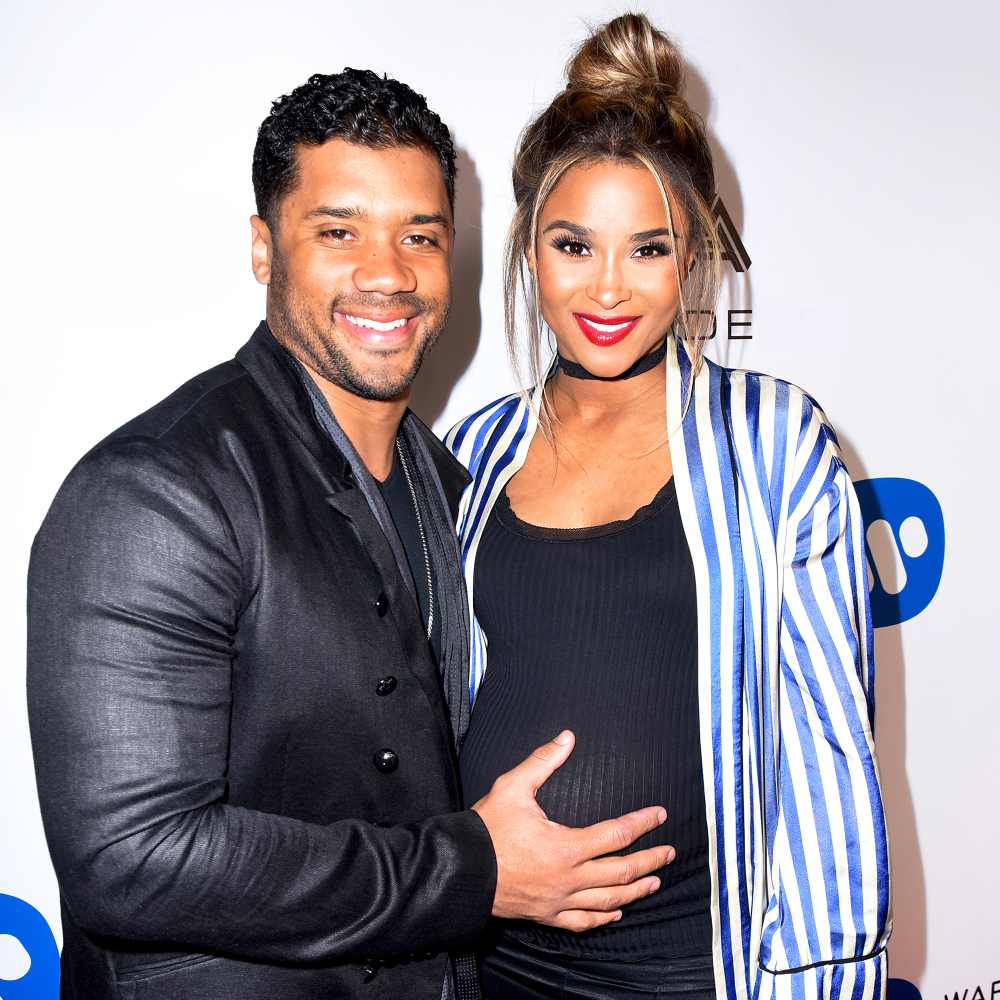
550	873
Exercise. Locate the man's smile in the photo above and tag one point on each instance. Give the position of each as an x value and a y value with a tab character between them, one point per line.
378	331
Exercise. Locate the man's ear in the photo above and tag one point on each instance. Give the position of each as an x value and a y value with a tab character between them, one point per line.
261	249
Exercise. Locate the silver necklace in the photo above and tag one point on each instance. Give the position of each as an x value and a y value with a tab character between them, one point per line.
423	537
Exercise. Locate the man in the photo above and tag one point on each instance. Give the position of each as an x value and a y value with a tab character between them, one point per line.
248	632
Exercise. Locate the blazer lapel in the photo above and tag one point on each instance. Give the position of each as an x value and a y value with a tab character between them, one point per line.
275	372
443	479
704	470
350	491
452	475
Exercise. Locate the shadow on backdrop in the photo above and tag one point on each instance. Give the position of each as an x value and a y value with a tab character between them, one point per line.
908	948
455	350
737	284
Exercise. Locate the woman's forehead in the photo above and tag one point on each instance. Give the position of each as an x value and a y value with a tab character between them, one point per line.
608	196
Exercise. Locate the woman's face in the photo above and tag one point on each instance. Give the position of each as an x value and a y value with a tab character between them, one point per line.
603	262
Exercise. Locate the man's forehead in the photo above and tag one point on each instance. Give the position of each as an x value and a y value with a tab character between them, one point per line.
368	182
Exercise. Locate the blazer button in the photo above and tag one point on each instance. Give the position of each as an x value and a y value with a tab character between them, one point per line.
385	685
386	760
369	971
381	604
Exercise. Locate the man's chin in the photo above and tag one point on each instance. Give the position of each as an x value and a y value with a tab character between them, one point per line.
383	383
369	372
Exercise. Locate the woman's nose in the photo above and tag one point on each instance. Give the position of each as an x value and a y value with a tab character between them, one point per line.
608	287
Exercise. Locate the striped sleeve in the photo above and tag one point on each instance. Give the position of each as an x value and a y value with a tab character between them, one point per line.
829	911
467	439
486	443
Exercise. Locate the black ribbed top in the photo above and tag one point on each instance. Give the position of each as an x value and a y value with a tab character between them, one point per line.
595	630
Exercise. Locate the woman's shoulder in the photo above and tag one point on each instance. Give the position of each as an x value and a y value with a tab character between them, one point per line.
767	400
471	437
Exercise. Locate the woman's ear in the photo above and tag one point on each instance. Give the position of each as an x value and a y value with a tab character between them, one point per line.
529	257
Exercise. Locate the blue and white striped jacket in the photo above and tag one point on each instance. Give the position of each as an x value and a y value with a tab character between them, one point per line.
801	902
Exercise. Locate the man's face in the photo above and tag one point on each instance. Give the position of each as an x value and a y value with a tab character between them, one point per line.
358	270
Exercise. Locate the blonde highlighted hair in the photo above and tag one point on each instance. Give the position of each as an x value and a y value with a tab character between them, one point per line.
623	102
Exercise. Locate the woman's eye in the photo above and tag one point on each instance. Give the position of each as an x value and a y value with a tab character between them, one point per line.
572	248
652	250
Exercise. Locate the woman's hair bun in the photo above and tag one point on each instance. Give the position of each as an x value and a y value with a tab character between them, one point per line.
622	104
628	65
627	59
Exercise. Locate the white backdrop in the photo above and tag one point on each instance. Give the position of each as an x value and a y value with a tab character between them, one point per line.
857	154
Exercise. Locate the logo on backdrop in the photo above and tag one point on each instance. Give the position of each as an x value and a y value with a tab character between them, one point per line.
981	991
904	526
35	945
733	249
738	321
904	538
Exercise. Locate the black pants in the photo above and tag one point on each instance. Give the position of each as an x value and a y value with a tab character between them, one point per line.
519	973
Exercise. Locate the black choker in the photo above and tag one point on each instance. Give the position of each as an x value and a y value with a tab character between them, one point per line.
644	364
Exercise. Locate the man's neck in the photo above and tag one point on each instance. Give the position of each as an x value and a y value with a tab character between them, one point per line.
371	424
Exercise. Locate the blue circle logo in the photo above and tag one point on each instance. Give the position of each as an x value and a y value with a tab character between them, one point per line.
904	538
22	921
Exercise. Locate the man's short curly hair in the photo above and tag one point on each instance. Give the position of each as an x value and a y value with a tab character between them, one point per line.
357	105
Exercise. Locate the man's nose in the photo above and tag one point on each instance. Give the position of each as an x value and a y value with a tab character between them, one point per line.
383	270
607	286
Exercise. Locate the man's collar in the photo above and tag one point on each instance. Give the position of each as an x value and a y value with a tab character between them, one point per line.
281	379
453	475
275	372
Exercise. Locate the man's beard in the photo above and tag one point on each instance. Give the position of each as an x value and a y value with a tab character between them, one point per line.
318	348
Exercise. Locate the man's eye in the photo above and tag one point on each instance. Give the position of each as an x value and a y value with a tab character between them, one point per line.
421	240
572	248
337	234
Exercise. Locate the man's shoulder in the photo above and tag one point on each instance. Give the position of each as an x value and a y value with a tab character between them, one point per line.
212	396
178	440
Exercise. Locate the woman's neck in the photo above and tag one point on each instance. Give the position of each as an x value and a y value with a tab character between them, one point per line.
593	402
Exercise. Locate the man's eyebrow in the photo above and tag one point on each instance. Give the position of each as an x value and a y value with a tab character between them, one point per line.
572	227
332	212
651	234
433	219
352	212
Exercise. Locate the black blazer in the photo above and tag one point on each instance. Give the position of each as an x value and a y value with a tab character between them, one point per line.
212	607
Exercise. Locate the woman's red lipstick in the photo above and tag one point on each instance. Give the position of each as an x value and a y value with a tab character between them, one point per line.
606	331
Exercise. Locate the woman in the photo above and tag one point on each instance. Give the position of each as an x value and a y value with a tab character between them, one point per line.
667	557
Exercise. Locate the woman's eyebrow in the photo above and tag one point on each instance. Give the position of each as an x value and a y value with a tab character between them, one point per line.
571	226
583	232
651	234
